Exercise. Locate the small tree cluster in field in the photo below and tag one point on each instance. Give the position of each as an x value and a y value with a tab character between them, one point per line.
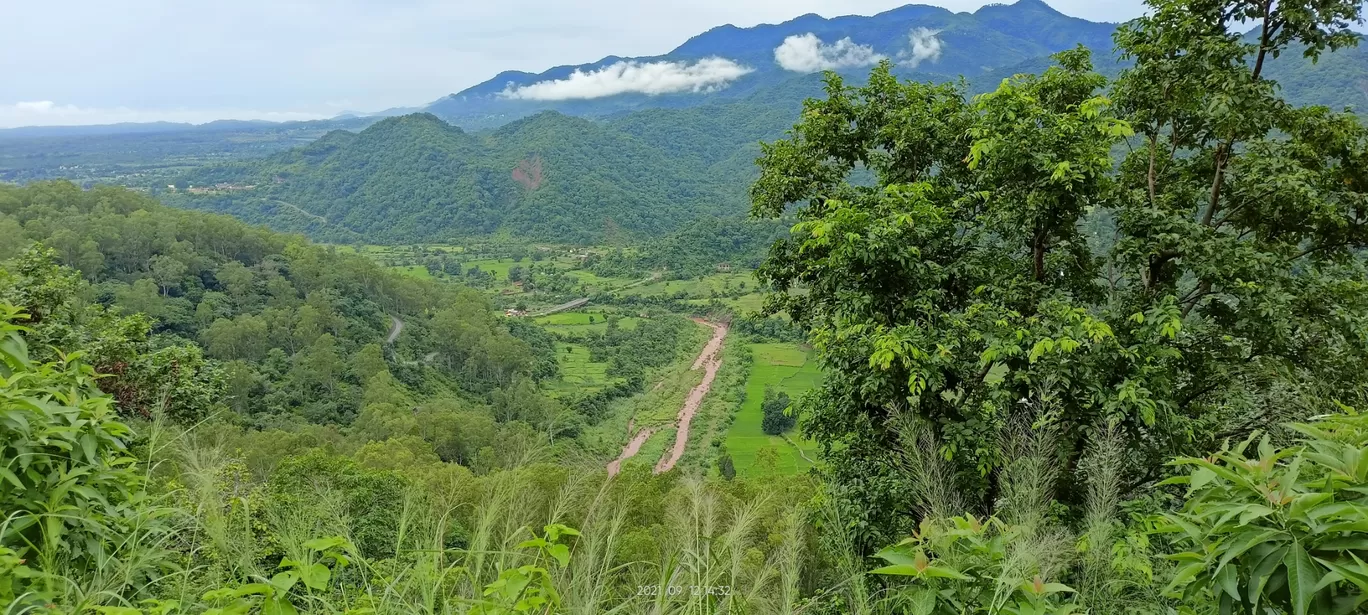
777	417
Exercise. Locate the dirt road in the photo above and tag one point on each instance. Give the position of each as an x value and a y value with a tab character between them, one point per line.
395	327
710	362
629	451
297	208
707	359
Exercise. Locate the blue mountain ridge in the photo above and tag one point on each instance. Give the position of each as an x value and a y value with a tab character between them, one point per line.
972	44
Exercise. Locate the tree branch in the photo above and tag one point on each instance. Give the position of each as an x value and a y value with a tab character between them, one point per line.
1221	156
1314	249
1154	145
1203	289
1263	39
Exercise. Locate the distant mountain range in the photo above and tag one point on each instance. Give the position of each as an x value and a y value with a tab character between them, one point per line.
727	62
623	147
925	42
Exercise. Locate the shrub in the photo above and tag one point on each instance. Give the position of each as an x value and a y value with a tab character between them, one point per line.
69	493
1286	528
776	418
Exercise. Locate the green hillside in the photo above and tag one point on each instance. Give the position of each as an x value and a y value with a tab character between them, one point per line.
416	178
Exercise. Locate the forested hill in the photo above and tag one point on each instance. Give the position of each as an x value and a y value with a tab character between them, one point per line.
553	177
260	327
414	177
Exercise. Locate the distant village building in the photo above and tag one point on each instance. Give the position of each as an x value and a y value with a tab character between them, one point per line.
724	267
514	313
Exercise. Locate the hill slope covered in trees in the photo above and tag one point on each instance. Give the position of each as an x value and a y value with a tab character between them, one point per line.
416	178
266	328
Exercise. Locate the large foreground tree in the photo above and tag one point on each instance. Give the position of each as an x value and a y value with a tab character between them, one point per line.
1167	261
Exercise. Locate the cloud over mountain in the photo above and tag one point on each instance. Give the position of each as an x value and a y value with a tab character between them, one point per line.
924	45
806	53
632	77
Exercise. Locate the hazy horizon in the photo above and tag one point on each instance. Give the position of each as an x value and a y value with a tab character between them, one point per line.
159	60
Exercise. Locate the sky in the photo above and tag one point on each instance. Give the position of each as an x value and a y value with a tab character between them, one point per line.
105	61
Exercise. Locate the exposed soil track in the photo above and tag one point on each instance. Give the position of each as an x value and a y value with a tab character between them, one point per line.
710	362
629	451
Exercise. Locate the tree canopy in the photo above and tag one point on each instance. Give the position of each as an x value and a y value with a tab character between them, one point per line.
1179	259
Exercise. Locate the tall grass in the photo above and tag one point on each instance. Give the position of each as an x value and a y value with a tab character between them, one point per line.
715	547
1109	569
717	551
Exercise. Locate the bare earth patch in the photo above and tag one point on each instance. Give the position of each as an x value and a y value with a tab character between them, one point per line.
707	359
710	362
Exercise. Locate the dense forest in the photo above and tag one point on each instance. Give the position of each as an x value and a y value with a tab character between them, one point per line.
270	328
549	177
1087	345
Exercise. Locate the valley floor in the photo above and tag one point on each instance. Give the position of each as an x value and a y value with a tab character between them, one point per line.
704	402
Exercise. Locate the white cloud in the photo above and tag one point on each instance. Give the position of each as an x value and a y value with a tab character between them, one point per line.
38	107
924	45
805	53
49	113
302	53
706	75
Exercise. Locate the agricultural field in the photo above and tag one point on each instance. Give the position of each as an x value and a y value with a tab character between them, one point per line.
732	413
743	305
414	271
598	282
789	369
702	288
578	373
582	321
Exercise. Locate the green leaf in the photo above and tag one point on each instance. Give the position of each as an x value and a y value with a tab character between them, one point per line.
1055	588
9	476
317	576
1302	577
278	605
1200	477
996	374
560	552
1253	539
1356	574
1228	581
901	570
943	572
924	602
896	555
1262	571
1347	543
252	589
1184	576
88	447
285	580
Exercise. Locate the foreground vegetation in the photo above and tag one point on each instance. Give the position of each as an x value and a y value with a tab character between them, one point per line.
1051	383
